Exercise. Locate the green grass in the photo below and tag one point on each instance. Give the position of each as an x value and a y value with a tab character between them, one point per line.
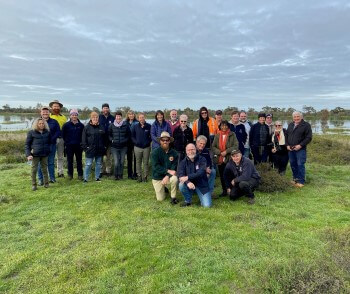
114	237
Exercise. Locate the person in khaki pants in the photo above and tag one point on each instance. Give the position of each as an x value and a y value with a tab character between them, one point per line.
164	165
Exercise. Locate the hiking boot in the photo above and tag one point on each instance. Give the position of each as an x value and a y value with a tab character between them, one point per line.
298	185
98	180
174	201
251	201
46	185
185	204
34	188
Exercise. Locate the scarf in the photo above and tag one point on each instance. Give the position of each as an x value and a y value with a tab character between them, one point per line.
223	136
279	137
118	125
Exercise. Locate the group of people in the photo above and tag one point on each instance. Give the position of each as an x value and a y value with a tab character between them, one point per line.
182	158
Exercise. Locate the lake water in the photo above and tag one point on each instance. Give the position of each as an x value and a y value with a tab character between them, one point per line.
24	122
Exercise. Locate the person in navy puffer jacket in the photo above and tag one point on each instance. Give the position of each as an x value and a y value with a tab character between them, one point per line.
159	126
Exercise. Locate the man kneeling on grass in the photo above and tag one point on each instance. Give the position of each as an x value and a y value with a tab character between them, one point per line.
241	177
164	164
193	177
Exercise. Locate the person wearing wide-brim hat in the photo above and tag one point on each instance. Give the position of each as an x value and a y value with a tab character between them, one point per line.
164	165
56	106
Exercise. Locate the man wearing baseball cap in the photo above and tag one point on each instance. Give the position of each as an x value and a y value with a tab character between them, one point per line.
164	165
56	107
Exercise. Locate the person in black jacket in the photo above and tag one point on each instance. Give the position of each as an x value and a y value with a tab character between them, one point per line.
241	177
239	130
72	132
141	137
279	152
299	134
259	139
37	148
130	155
93	143
193	177
106	119
182	135
119	135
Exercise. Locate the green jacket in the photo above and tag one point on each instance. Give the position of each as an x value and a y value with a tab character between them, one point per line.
231	144
162	161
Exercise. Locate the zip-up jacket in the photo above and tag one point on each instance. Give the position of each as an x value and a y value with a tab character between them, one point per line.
162	161
182	138
156	130
141	136
105	121
119	137
55	130
300	135
94	140
241	134
71	133
38	144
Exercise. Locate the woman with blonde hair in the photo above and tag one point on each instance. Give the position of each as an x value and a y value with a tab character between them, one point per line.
279	150
37	148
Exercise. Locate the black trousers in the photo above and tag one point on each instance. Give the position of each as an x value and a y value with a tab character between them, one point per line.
76	150
244	188
280	161
130	157
221	169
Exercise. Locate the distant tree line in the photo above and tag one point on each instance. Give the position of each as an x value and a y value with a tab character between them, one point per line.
308	111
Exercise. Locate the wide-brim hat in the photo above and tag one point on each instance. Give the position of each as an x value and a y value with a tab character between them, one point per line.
56	101
165	135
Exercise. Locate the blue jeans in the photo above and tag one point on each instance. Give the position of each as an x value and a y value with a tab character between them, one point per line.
211	180
246	152
205	199
50	164
119	157
88	164
297	161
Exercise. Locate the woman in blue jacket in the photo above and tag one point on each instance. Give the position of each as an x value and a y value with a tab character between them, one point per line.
159	126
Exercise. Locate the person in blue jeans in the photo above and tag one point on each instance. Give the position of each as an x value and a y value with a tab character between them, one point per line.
55	133
193	177
299	134
94	144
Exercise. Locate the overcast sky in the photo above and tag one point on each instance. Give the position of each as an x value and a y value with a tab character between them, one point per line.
167	53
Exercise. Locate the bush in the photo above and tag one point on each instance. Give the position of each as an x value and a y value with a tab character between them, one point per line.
271	180
13	158
11	147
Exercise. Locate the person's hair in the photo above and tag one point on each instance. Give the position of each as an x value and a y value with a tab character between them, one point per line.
173	110
36	122
202	138
261	114
183	115
140	113
130	112
94	113
159	112
234	112
278	122
224	122
297	113
242	111
203	108
118	112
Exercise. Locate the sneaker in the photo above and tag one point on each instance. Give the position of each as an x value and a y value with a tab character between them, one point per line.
98	180
298	185
174	201
251	201
41	183
52	181
46	185
185	204
34	188
85	181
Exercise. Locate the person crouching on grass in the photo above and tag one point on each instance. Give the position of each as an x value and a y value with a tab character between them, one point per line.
193	177
37	148
241	177
164	165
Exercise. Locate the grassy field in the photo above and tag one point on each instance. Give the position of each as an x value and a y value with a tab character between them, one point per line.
114	237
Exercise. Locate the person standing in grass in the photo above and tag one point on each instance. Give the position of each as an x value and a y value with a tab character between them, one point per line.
279	151
173	121
224	142
247	124
106	119
241	177
119	136
193	177
130	155
55	132
218	116
71	133
182	135
205	125
164	165
239	130
299	135
94	144
141	137
37	148
159	126
56	107
259	139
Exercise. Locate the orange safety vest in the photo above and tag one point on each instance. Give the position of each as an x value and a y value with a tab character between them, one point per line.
212	125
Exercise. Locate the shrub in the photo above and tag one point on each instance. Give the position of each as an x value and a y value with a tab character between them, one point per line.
11	147
14	158
271	180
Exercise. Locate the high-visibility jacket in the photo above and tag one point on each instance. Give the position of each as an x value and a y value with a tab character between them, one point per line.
212	125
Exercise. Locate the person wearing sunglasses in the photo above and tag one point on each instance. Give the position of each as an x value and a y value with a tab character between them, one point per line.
183	135
279	152
205	125
164	164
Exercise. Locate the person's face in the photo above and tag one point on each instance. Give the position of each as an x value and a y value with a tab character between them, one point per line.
105	110
297	118
243	117
56	108
41	125
218	117
190	151
164	143
131	116
160	117
118	118
74	117
224	127
94	119
204	114
200	144
235	118
142	119
173	115
269	120
183	121
262	120
45	114
236	158
278	126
